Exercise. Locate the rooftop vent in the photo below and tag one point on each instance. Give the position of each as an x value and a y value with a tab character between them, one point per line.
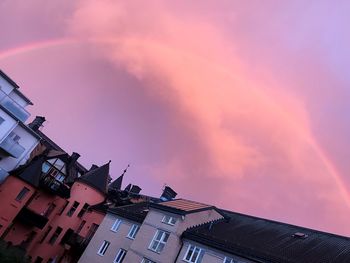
300	235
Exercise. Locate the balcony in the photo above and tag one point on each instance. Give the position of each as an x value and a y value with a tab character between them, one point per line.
12	147
29	217
51	185
12	106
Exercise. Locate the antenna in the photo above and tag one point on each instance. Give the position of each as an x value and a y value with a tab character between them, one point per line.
125	170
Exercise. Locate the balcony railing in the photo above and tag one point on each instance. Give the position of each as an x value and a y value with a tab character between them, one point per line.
51	185
29	217
12	106
12	147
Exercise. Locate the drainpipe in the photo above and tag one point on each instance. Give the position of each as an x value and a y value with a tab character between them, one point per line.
178	253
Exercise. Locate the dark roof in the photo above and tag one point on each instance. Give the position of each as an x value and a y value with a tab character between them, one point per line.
14	84
100	207
97	178
182	206
31	172
263	240
135	212
117	183
77	167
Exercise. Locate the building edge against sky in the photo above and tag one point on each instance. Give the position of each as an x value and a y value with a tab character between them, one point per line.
56	210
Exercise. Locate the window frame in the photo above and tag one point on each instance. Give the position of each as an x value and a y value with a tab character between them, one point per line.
103	248
116	225
55	235
160	241
228	260
72	209
119	258
190	260
168	220
134	229
146	260
22	194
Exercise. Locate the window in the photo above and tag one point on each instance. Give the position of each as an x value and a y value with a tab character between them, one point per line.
73	208
146	260
103	248
169	220
45	234
82	224
55	235
55	168
1	120
14	137
116	225
159	241
133	231
120	256
83	210
228	260
91	232
193	254
63	208
22	194
49	210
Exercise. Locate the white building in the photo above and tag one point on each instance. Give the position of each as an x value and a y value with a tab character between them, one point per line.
17	140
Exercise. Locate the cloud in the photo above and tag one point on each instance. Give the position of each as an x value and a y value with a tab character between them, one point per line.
238	88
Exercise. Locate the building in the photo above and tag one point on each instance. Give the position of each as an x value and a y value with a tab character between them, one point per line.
17	140
146	232
186	231
45	215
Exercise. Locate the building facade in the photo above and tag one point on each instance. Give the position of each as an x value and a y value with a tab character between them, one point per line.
17	140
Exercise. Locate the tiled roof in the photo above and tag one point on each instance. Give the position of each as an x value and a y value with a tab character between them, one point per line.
97	178
182	206
135	212
263	240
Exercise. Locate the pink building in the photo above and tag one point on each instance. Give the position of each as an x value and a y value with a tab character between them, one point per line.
48	209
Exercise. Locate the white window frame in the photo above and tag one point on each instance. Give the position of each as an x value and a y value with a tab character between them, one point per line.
228	260
133	231
146	260
120	256
103	248
169	220
192	259
116	225
160	241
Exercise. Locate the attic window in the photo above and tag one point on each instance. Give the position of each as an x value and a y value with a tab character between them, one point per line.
300	235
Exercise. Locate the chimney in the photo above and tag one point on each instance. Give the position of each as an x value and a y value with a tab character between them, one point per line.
135	189
74	158
168	194
37	123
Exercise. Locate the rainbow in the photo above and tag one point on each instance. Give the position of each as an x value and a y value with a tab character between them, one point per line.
35	46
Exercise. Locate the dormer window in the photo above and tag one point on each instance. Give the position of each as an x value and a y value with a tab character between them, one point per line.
55	168
169	220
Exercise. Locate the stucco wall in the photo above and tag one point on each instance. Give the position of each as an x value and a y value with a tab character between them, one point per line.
117	239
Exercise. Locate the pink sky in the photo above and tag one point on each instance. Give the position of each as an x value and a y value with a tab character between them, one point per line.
241	104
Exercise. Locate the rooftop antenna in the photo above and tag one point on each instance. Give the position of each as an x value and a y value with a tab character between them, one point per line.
125	170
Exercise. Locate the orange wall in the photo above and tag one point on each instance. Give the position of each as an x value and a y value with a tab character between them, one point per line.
10	207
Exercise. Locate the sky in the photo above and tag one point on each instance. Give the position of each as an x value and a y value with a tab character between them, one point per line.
240	104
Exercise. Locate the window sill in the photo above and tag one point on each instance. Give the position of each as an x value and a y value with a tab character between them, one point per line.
154	251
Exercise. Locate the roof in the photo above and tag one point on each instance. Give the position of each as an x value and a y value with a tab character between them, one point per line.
14	84
182	206
31	172
263	240
135	212
97	178
117	183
